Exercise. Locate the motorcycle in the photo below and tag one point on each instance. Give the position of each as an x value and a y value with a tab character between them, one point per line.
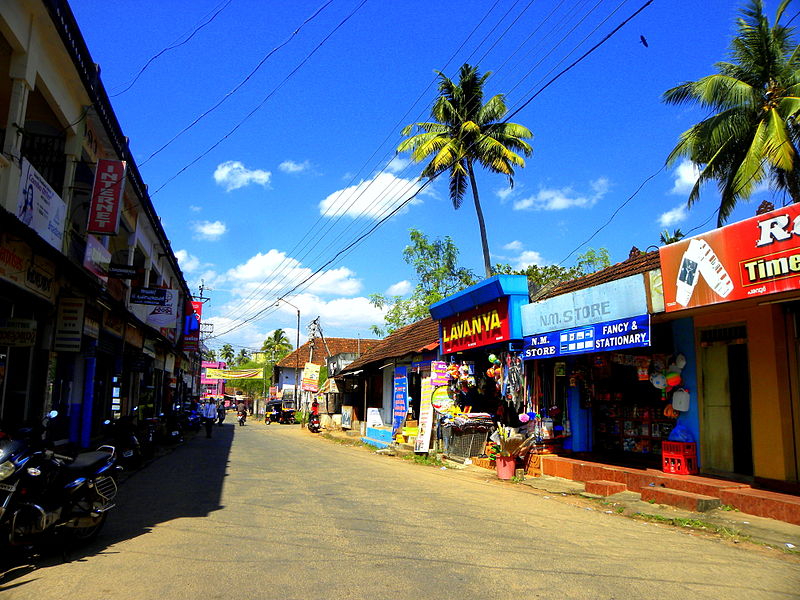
44	493
121	434
172	431
314	424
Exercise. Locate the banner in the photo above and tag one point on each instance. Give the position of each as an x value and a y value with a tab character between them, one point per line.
600	337
400	402
310	381
149	296
423	441
96	258
191	325
165	316
17	333
749	259
69	325
109	185
39	207
234	373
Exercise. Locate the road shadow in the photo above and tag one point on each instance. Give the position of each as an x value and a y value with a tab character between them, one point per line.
184	483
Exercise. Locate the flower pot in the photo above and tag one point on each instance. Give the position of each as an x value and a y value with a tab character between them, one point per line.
505	466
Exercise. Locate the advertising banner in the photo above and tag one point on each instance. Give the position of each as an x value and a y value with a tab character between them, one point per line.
17	333
400	398
149	296
484	325
423	441
439	374
191	325
39	207
104	208
234	374
165	316
749	259
600	337
96	259
610	301
310	381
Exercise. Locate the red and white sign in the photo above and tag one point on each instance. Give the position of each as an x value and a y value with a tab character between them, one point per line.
748	259
484	325
191	329
109	185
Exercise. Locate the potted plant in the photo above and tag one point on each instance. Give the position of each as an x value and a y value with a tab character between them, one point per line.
512	445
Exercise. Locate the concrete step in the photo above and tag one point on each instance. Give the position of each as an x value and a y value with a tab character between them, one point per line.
604	488
762	503
695	484
679	498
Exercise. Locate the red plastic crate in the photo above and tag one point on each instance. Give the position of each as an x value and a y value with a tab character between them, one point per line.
679	448
678	464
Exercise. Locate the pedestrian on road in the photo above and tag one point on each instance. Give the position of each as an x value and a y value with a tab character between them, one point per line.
209	415
241	408
221	413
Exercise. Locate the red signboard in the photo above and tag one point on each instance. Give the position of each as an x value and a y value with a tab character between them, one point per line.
484	325
109	185
748	259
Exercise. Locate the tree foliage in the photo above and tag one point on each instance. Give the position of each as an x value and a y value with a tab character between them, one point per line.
465	131
227	353
752	135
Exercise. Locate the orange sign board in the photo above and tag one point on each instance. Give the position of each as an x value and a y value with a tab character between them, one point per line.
751	258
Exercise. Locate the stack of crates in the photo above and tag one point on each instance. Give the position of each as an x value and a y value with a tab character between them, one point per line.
679	458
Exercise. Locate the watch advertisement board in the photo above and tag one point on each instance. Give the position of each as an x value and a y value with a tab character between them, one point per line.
749	259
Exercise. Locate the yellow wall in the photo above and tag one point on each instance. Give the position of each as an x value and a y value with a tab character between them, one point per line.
770	386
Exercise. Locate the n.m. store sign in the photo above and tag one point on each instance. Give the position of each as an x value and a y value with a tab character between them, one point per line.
751	258
483	325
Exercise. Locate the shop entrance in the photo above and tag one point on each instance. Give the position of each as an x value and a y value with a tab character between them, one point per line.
726	438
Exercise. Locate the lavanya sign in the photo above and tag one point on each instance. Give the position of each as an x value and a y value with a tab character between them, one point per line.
484	325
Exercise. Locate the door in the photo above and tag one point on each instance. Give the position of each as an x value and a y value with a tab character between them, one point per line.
726	445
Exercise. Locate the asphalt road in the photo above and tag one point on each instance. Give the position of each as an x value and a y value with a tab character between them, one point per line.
274	512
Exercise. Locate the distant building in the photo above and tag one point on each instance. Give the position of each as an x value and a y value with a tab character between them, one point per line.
211	387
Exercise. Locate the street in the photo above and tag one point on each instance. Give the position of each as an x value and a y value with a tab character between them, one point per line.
274	512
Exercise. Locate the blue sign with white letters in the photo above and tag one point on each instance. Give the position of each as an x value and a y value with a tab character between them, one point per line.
633	332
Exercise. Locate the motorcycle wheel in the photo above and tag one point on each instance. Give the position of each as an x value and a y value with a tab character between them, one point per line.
87	534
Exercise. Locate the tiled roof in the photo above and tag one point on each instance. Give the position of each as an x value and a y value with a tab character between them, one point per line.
641	263
412	338
335	345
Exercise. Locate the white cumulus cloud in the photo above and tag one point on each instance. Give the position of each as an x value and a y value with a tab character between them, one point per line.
209	230
373	198
401	288
188	262
233	174
564	198
528	258
674	216
513	246
397	164
292	167
686	175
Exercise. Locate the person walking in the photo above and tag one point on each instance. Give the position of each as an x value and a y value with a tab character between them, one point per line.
209	415
241	408
221	413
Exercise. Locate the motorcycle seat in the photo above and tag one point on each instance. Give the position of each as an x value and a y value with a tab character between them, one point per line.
88	460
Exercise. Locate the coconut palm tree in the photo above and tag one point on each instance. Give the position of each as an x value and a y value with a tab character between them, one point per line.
277	344
227	353
752	137
670	238
465	131
242	357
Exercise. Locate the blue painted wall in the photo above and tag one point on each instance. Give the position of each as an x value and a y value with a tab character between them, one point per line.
683	337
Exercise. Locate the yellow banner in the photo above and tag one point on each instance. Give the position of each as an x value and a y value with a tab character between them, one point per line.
310	377
234	374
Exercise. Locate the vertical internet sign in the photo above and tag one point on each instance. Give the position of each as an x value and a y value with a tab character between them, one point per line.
109	185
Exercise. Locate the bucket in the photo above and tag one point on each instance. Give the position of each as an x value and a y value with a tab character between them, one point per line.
505	466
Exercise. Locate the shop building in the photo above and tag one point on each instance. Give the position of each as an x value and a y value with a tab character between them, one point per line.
91	295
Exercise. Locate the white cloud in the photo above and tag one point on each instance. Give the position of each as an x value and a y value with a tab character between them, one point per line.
195	208
209	230
686	175
374	198
401	288
233	174
564	198
398	164
188	262
504	193
674	216
513	246
528	258
291	167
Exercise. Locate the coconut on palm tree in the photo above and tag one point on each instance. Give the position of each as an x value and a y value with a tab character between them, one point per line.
465	131
751	137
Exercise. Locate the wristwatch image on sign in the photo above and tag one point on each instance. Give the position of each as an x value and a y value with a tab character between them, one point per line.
700	260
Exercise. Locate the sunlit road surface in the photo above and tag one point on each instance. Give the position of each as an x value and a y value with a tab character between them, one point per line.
274	512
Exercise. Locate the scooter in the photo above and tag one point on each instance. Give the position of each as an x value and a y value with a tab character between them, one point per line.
44	493
314	424
121	434
242	415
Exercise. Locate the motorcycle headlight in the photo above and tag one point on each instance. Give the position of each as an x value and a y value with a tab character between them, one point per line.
6	469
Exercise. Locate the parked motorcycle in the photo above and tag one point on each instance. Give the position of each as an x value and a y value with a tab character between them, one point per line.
44	493
122	435
314	424
172	430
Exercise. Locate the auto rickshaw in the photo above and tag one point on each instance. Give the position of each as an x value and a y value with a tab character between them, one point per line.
280	411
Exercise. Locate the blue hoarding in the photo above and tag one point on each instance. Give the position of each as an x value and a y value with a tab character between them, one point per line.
633	332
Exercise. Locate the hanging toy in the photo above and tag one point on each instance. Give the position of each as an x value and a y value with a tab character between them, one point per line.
493	359
527	417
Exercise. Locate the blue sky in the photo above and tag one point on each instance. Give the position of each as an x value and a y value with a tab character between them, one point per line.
274	201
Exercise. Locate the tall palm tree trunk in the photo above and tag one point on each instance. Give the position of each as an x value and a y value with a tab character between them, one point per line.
487	265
